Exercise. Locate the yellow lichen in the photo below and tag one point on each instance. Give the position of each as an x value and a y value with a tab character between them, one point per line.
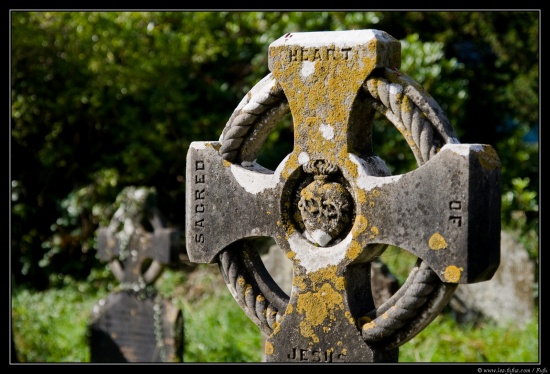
325	274
363	320
488	158
351	167
361	196
291	165
350	317
298	281
318	308
361	223
452	274
268	348
437	241
307	331
354	250
368	326
276	328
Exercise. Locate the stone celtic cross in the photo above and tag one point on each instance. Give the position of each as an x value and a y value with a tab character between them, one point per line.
332	206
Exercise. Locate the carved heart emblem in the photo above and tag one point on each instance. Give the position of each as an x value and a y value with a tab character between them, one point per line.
324	205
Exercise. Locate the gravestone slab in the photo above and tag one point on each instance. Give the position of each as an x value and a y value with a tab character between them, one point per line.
333	207
135	324
126	327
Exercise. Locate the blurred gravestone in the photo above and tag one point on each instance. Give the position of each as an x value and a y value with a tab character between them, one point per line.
507	297
135	324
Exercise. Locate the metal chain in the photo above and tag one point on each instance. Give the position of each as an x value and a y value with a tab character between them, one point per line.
159	333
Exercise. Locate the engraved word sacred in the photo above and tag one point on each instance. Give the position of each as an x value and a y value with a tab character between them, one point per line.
455	217
200	192
299	54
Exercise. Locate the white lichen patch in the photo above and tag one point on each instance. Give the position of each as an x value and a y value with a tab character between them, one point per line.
320	237
395	89
330	38
365	180
313	258
463	149
254	179
308	68
198	145
327	131
303	158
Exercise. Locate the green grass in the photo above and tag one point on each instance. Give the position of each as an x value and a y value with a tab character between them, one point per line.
444	340
51	326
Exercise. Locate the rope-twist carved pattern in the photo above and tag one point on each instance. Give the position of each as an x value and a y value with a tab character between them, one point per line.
264	311
265	100
413	112
409	310
426	129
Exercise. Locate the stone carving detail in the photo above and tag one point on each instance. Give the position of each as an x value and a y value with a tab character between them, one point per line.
334	219
325	205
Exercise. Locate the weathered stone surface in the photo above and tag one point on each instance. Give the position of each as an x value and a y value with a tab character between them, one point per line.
332	206
449	219
384	283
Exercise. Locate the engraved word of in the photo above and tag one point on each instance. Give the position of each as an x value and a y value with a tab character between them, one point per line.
455	217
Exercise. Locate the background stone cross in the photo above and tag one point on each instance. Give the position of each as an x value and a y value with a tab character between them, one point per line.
136	243
333	207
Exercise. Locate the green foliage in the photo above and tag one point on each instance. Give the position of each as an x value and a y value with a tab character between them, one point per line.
105	100
220	332
444	340
216	329
54	329
51	326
